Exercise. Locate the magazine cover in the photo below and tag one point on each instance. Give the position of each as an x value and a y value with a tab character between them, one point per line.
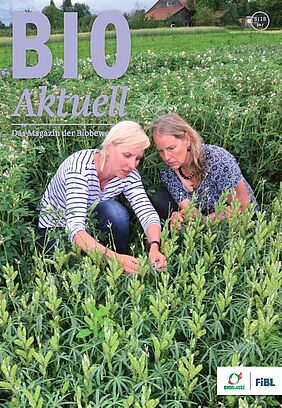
140	228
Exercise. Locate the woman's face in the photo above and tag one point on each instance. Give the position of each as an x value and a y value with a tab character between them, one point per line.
173	151
123	159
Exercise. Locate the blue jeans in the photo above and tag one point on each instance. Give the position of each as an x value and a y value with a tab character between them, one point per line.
112	220
163	203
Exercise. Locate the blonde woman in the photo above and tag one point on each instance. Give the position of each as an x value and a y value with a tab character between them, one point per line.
194	168
93	175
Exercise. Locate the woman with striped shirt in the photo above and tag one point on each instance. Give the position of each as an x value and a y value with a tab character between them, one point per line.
93	176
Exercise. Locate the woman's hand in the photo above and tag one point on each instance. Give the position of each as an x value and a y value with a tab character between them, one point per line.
130	264
158	260
88	243
177	219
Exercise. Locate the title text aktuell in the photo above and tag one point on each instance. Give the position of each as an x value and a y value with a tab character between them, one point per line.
50	103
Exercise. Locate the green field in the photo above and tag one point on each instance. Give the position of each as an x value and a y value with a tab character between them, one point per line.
77	332
181	40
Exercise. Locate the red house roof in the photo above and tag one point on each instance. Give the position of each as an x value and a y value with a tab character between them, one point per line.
162	13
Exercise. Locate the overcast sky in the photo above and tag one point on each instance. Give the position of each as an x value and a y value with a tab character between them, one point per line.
7	6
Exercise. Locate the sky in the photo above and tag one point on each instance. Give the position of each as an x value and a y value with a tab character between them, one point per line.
7	6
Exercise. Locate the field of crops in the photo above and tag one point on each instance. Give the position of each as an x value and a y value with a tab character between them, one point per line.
177	39
77	332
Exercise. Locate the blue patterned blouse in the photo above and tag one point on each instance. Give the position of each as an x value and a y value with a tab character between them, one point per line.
220	172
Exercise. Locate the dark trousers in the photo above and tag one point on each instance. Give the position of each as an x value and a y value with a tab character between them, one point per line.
112	221
163	203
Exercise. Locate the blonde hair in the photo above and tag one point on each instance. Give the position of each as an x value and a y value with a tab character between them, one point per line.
174	125
128	133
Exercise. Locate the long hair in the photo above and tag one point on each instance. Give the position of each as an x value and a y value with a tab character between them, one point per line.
128	133
174	125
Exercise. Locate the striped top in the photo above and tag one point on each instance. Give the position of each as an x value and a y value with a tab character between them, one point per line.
76	186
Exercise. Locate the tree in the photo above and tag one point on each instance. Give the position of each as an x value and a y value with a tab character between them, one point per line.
136	18
274	10
242	7
231	14
67	5
206	16
54	15
220	12
82	10
86	22
189	4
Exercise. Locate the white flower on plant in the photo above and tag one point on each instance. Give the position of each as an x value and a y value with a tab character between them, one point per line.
24	143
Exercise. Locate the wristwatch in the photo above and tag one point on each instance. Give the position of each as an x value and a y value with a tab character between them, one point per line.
155	242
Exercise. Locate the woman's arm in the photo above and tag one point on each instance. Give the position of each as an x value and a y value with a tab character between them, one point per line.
241	194
153	233
88	244
147	215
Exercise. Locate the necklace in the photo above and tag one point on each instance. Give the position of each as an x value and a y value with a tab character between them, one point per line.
186	177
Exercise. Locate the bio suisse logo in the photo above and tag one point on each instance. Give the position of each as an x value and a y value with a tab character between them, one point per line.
233	382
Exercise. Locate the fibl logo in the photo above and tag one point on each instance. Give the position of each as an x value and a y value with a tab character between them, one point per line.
264	382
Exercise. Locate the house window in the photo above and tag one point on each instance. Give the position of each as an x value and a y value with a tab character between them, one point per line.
170	3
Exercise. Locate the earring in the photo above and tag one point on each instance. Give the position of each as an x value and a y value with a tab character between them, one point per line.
189	148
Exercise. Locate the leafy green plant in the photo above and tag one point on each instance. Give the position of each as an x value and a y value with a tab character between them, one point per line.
76	331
